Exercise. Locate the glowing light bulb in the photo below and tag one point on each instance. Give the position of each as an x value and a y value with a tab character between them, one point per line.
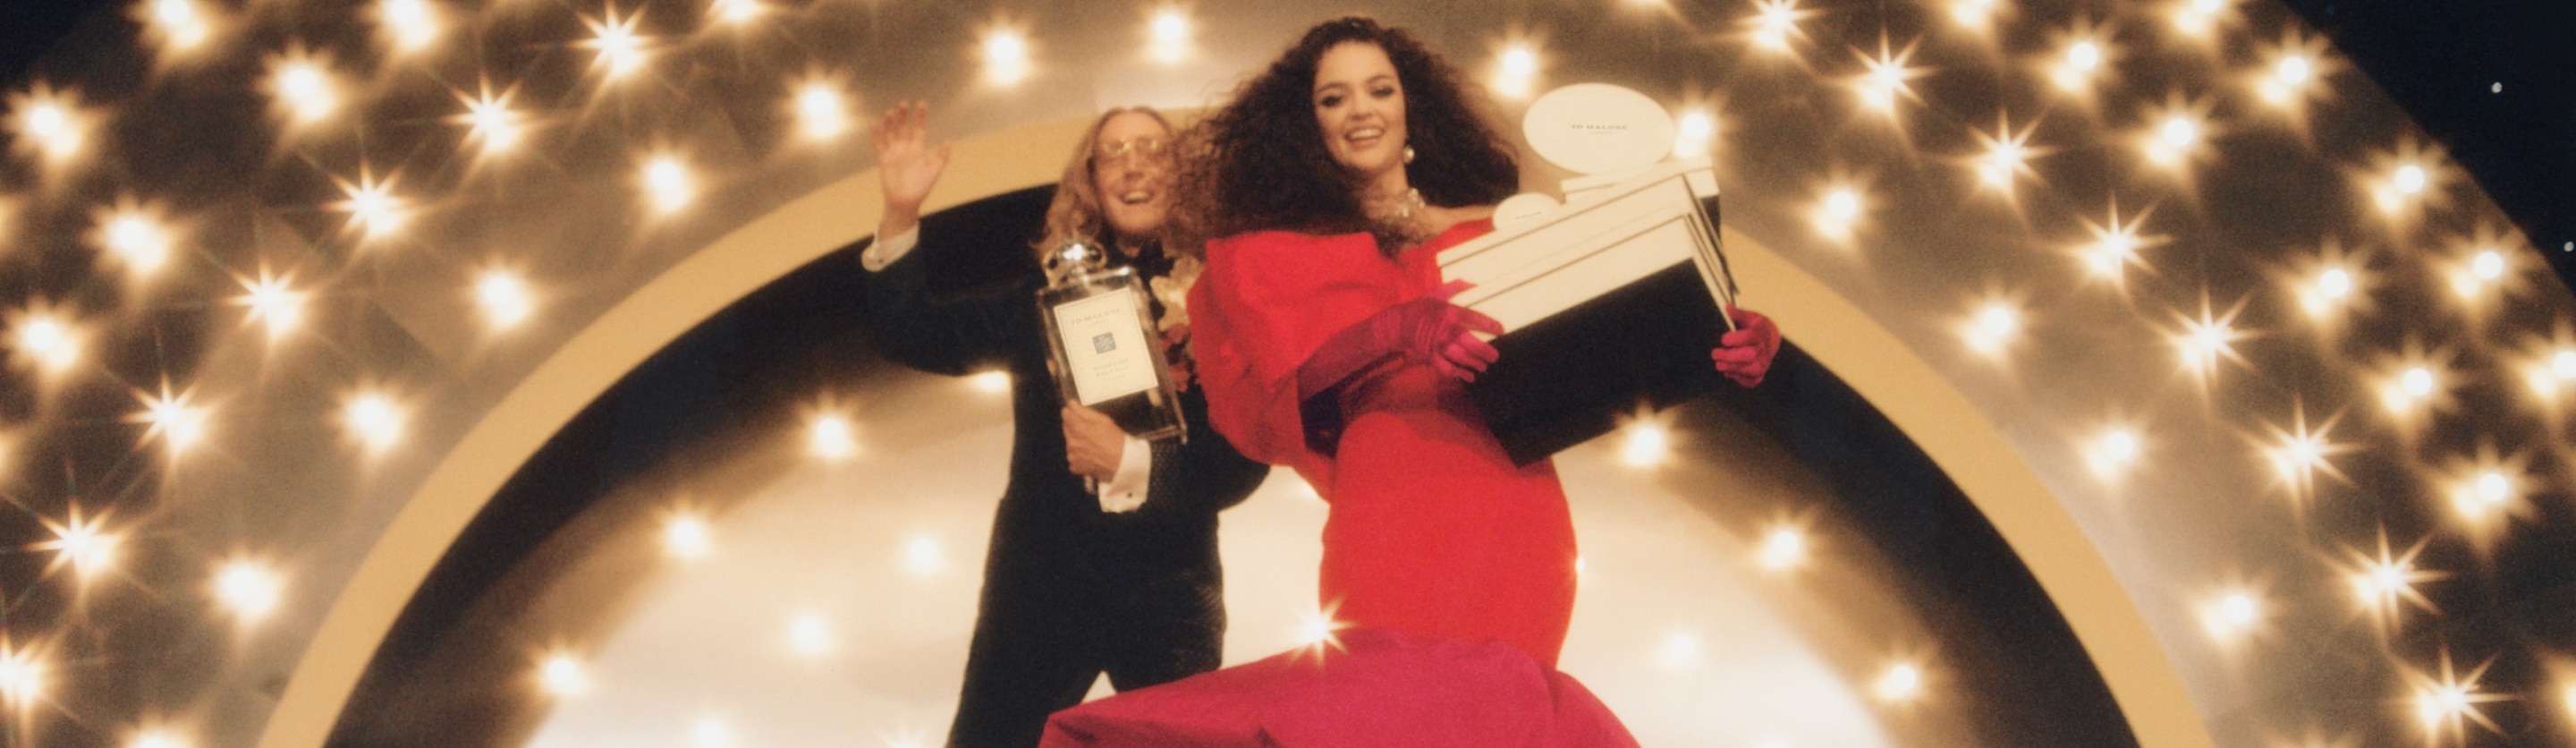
22	676
1774	23
923	558
1784	548
736	12
667	182
2494	488
809	635
374	420
1680	651
2409	179
1993	329
2084	57
685	536
1170	26
1006	56
248	588
2417	382
2563	365
2238	610
562	676
1519	61
821	110
992	382
47	342
1842	205
832	437
490	121
2293	70
2121	446
2488	265
47	123
374	210
138	240
174	13
711	733
504	298
412	25
2334	283
272	303
1647	444
305	89
156	739
170	417
82	543
1697	129
618	50
2180	132
1900	683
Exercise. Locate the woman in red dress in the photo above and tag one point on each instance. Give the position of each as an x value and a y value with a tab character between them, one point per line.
1326	342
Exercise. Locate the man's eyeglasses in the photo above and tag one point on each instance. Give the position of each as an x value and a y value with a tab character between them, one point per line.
1149	149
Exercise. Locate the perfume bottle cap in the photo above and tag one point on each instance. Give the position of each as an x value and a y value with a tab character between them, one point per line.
1072	255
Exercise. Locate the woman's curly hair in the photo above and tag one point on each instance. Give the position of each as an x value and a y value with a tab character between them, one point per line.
1259	163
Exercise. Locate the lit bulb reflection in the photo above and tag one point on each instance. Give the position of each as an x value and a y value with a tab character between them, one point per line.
809	635
685	536
1695	135
667	183
1886	78
409	25
81	543
1839	214
303	87
2114	452
1782	549
374	420
271	302
923	557
736	12
617	50
374	210
995	382
1993	329
1318	630
1680	651
22	675
247	588
2385	581
2299	453
831	436
2446	703
1899	683
171	418
180	24
562	676
46	342
490	121
1169	35
157	739
821	110
1517	69
504	297
1775	24
1006	56
1647	441
48	123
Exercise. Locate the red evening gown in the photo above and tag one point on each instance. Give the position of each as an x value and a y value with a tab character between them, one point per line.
1443	556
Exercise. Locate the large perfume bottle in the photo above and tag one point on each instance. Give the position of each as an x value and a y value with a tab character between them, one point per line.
1107	355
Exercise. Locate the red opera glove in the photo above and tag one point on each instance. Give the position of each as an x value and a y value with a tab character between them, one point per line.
1745	354
1428	330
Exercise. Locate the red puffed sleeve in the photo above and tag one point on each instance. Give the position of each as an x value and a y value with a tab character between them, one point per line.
1268	300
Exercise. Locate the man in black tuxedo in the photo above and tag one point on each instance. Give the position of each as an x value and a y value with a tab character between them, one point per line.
1103	555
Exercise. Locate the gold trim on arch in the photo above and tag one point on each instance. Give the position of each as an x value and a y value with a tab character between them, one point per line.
1867	357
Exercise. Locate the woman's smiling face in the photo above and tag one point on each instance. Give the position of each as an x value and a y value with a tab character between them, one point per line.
1359	105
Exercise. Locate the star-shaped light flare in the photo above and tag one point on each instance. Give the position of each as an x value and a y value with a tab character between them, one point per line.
80	543
2115	246
491	124
2446	703
1887	76
272	301
2211	337
617	50
1774	25
2380	582
170	417
2299	453
2006	155
374	210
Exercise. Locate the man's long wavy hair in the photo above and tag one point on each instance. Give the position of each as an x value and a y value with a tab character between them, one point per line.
1259	163
1076	213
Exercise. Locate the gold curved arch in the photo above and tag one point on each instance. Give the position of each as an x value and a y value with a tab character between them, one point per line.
1869	358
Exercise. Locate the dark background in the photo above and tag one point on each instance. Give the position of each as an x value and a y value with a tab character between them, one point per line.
2440	59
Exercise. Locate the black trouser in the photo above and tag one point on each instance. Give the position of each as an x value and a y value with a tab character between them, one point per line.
1036	651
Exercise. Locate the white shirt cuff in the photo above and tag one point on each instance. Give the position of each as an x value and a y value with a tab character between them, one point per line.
887	249
1126	489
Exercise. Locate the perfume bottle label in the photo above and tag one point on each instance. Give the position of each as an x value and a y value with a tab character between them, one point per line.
1104	348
